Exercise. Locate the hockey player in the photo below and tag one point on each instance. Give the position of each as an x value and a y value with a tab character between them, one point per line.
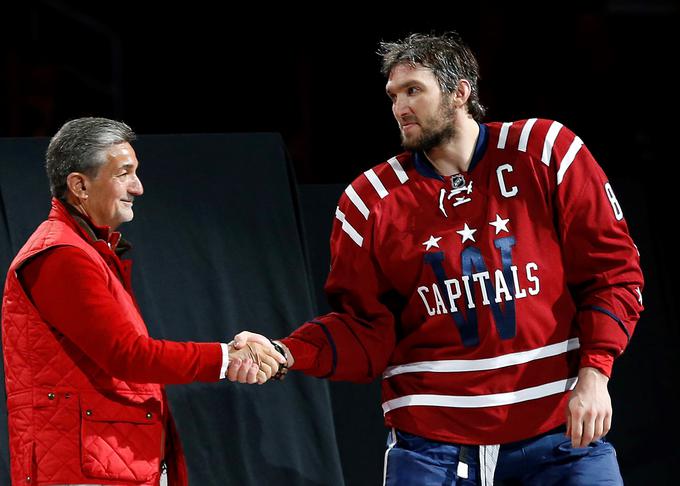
488	276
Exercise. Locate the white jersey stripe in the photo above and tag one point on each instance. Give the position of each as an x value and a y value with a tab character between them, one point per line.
356	200
463	365
375	182
479	401
550	141
569	158
524	136
348	228
398	169
503	137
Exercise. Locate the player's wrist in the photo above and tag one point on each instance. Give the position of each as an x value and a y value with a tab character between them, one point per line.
283	367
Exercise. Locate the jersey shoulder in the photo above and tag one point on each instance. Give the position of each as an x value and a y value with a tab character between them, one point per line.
360	199
542	139
376	184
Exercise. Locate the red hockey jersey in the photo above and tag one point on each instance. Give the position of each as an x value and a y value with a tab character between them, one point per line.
478	296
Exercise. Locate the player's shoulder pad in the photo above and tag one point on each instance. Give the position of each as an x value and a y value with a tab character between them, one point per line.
366	192
534	136
549	142
377	183
546	140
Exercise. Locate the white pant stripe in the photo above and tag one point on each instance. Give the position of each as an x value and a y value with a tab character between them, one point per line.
488	459
393	442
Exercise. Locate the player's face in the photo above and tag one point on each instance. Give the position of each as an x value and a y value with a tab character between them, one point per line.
110	194
424	114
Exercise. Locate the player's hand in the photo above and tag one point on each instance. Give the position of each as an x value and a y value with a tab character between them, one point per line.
589	411
244	337
252	363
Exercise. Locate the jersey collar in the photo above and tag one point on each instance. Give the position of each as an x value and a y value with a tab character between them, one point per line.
425	168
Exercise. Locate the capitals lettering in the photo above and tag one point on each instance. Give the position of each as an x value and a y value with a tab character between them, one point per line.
503	286
453	297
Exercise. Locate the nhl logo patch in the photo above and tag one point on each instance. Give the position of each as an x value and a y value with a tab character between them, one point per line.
457	181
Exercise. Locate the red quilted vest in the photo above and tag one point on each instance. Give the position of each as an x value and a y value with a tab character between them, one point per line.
69	421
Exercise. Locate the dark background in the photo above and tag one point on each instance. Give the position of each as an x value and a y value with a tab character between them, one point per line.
605	69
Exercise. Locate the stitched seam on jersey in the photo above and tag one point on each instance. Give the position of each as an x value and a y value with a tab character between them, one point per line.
613	316
333	350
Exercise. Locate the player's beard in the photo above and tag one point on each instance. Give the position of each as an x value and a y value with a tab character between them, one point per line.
434	131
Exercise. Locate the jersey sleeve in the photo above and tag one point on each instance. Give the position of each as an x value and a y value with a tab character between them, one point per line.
355	340
602	264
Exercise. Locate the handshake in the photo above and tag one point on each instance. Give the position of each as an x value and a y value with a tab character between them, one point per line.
254	358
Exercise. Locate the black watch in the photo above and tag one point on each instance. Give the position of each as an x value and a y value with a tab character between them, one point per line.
283	367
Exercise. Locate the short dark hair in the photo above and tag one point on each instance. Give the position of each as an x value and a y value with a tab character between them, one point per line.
79	146
447	56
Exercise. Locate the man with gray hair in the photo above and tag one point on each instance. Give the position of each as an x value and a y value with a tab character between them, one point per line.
84	380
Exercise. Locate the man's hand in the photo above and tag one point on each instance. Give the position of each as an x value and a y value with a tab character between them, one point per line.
589	411
244	337
252	362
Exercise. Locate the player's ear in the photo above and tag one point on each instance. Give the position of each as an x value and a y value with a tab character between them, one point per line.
461	94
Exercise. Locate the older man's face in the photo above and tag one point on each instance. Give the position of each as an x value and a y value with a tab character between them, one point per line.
111	193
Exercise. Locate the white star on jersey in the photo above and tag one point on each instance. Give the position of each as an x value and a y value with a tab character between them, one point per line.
500	224
431	242
467	233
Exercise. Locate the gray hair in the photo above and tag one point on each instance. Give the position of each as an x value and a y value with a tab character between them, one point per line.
447	56
80	146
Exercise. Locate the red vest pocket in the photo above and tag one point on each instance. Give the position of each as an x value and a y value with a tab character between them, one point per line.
120	441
